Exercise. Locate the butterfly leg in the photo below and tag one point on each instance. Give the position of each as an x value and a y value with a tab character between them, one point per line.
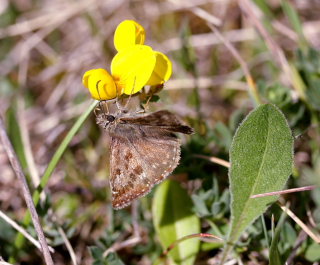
153	90
141	111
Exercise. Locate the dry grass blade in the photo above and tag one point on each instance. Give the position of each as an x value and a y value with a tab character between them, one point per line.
283	191
123	244
209	39
22	231
200	235
51	18
68	245
299	241
314	236
251	84
134	240
215	160
276	51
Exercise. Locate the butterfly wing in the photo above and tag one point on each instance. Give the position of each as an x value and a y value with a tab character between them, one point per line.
162	119
141	156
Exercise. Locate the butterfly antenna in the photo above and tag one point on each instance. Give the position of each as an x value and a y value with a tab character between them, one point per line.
117	100
133	87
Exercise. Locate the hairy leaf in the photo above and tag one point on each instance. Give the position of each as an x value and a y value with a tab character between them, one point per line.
261	159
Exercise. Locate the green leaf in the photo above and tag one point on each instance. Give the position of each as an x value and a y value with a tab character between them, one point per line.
313	252
98	259
261	157
96	252
113	259
173	219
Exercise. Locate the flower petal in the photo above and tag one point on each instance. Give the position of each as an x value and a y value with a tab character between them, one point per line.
128	33
100	84
162	70
131	68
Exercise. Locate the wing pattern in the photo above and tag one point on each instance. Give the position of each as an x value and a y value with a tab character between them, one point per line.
141	156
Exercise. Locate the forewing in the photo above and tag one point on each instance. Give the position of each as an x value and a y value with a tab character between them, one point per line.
162	119
139	160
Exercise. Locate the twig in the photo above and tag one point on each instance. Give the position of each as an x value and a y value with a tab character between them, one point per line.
136	235
49	18
208	39
65	239
22	231
206	16
305	228
26	192
215	160
201	235
310	217
281	28
300	240
283	191
200	13
120	245
205	83
68	245
22	50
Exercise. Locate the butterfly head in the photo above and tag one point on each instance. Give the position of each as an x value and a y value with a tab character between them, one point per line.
105	120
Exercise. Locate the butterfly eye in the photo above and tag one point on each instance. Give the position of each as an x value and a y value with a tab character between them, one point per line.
110	118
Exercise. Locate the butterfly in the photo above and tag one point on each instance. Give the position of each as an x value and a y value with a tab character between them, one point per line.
144	150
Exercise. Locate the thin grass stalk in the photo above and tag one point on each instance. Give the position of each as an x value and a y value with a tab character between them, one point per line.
19	240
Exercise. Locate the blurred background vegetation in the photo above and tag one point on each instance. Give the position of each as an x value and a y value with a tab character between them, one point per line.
46	46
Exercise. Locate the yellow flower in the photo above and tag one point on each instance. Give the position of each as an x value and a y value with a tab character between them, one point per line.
134	66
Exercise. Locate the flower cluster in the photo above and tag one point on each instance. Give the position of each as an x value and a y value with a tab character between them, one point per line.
134	66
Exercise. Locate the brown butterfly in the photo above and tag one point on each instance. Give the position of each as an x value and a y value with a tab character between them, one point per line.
144	151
